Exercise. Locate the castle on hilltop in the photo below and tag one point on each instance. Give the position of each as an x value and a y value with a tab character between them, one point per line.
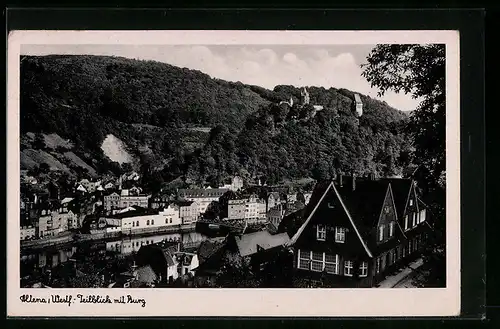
305	99
304	96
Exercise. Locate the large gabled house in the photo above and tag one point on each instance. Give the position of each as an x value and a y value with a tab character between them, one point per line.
354	234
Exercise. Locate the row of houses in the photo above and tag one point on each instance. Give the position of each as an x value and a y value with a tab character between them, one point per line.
356	230
354	233
50	219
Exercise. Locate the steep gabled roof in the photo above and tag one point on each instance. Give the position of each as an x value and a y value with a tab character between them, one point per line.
365	201
209	247
400	190
316	201
146	274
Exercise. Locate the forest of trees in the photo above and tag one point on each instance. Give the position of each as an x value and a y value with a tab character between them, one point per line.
156	105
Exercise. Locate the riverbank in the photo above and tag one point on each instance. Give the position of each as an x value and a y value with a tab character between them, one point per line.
72	237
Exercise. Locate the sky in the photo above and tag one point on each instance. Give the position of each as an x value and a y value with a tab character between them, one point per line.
326	66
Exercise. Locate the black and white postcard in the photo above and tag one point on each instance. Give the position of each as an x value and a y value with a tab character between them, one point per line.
233	173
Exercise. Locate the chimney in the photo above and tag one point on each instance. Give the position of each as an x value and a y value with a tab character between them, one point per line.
354	182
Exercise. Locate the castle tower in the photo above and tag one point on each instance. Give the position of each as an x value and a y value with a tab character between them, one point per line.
304	96
359	105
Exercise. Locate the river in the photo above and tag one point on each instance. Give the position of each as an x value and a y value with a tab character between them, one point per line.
92	256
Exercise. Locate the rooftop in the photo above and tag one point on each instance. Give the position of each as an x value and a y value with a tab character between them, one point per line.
202	193
248	244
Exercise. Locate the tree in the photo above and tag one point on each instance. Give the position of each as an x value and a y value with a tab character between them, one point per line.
44	168
419	70
39	142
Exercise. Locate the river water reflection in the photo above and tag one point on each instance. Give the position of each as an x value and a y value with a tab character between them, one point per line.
36	263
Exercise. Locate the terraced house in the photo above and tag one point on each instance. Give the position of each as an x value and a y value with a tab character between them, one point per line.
357	230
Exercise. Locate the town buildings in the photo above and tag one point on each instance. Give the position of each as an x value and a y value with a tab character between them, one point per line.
27	232
161	258
203	197
275	215
125	198
142	219
246	208
189	211
354	234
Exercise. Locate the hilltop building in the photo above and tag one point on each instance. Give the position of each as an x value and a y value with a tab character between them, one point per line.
359	105
304	96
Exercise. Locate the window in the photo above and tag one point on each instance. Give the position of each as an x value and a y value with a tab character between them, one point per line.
331	264
321	233
317	261
406	222
422	216
409	248
152	222
166	220
363	269
133	224
147	223
137	224
381	233
413	219
170	220
340	234
304	259
411	202
348	268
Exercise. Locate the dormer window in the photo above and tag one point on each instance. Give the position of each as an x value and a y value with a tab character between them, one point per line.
340	234
321	233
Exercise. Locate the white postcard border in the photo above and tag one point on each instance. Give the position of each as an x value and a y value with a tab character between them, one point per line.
242	302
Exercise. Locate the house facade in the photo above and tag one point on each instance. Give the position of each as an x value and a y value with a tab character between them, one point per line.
124	199
27	232
203	197
161	258
352	235
144	219
275	215
251	207
189	211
